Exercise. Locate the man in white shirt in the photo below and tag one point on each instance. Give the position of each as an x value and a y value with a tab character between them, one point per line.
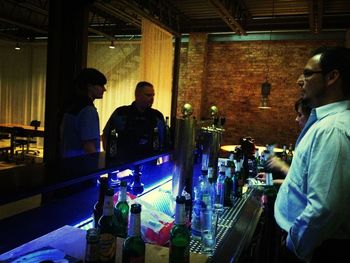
313	203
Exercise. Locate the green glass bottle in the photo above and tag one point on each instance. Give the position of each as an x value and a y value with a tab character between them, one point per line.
134	248
108	226
122	208
179	250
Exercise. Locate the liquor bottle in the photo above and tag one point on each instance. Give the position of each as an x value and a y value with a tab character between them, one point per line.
208	229
290	154
156	139
108	226
228	183
239	178
179	250
167	139
122	208
98	207
284	156
249	167
92	254
230	165
220	190
112	145
134	247
257	156
206	191
212	185
210	174
196	228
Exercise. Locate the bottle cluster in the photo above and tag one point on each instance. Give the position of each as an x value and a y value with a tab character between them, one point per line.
213	193
112	222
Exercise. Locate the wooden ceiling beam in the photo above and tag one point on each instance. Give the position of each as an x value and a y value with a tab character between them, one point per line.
13	38
227	12
122	14
316	8
158	12
23	25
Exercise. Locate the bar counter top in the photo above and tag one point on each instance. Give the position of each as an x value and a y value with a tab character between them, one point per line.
32	179
71	241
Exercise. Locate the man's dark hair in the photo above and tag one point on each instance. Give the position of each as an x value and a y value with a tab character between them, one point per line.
336	58
141	85
89	76
305	108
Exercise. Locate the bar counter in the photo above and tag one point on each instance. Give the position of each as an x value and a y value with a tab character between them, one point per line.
236	226
25	181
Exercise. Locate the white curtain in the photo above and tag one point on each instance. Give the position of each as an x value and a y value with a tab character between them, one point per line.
156	63
22	84
121	67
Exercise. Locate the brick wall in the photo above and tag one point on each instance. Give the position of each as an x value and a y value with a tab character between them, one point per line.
229	75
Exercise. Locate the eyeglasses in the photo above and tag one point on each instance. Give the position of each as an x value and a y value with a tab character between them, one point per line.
308	72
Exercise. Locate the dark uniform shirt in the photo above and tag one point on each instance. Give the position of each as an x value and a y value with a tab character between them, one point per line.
135	129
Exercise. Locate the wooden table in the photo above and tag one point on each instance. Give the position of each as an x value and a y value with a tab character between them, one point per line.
8	127
71	240
29	131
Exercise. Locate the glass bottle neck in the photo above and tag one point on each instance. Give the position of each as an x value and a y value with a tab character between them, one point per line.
122	194
180	214
135	225
103	189
108	205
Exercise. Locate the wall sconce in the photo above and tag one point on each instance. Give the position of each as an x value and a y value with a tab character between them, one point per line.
112	46
265	92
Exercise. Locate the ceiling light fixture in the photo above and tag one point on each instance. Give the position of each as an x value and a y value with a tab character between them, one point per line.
17	47
266	86
112	46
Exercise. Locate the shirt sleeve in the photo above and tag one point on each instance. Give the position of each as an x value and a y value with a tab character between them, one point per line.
88	124
327	191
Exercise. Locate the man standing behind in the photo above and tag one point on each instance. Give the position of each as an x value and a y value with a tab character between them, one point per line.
80	127
135	124
313	203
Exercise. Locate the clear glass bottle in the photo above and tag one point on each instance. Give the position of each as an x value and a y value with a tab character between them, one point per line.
108	226
196	228
134	247
220	190
179	250
239	178
206	190
208	229
228	186
212	183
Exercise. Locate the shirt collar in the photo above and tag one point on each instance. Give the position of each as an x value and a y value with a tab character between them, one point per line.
331	108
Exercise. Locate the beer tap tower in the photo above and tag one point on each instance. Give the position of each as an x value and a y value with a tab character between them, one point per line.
210	138
183	155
